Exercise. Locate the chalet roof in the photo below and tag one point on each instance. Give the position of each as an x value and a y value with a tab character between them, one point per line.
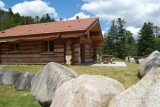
50	27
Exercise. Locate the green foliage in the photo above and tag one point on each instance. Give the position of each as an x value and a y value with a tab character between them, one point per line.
146	40
101	51
158	43
8	19
119	41
46	18
130	44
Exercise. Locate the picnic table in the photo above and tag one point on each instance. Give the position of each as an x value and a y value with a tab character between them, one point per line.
106	59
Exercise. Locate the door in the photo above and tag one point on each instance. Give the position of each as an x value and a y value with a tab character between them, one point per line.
82	53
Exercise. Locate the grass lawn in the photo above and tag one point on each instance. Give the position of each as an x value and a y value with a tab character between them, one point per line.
9	97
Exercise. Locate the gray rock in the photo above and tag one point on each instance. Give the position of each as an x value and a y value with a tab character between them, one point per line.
24	81
140	61
2	71
148	63
127	59
46	82
146	93
132	60
10	77
87	91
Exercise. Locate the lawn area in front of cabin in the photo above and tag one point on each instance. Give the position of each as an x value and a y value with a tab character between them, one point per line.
9	97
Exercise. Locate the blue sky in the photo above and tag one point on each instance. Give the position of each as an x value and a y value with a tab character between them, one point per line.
135	12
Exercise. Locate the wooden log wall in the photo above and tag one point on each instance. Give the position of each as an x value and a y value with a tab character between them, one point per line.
69	53
76	52
31	52
89	49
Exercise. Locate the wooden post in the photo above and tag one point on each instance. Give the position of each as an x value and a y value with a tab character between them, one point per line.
68	52
79	54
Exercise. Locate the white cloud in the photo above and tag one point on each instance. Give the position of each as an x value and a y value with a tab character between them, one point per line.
135	12
134	30
34	8
2	6
103	33
80	15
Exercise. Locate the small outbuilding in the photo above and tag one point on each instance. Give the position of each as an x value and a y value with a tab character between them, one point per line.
65	42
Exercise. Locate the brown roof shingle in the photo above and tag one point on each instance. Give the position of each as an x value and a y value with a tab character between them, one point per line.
50	27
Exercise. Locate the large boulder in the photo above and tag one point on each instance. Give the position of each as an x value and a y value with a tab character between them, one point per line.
140	61
24	81
10	77
132	59
148	63
146	93
45	83
87	91
2	71
127	59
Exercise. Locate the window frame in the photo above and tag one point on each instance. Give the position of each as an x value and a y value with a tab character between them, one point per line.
47	46
14	47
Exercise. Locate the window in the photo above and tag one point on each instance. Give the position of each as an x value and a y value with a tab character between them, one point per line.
15	47
48	46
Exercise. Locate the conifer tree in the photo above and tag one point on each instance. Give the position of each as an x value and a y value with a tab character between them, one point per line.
146	40
9	19
119	41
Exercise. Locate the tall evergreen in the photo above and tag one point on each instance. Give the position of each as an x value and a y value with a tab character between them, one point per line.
46	18
119	41
111	40
121	38
146	40
9	19
130	44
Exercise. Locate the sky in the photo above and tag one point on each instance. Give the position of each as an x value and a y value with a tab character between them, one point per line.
135	12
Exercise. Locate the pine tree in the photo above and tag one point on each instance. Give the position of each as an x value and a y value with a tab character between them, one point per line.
111	40
121	38
119	41
37	19
11	12
9	19
146	40
46	18
130	44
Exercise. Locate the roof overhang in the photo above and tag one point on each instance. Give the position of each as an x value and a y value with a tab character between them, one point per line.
95	33
42	36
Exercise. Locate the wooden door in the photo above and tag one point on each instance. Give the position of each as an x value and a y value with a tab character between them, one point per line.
82	53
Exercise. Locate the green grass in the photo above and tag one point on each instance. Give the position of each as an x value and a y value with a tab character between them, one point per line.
23	68
126	75
9	97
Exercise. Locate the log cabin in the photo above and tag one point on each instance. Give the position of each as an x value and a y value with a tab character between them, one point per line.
65	42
